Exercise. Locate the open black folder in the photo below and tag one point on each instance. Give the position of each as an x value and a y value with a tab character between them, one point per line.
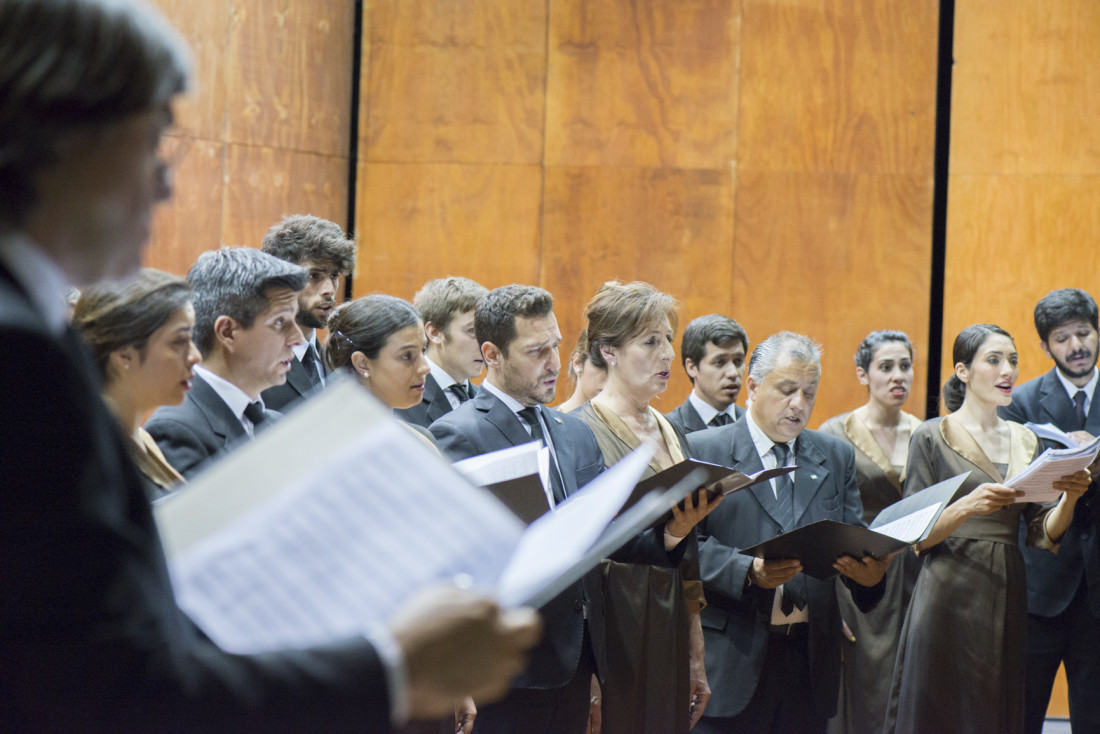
709	474
903	523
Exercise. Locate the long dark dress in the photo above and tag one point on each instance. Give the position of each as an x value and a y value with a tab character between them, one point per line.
868	660
646	687
960	664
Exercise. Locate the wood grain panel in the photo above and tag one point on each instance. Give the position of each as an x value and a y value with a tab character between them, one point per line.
191	221
643	83
264	184
835	257
201	113
454	82
673	229
289	78
1011	240
418	221
838	86
1026	95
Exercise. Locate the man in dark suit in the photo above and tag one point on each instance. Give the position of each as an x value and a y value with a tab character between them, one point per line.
92	639
322	248
1063	588
454	355
245	302
519	339
713	352
772	634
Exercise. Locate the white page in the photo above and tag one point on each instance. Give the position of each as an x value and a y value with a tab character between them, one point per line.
558	540
1053	433
911	527
501	466
335	550
1035	481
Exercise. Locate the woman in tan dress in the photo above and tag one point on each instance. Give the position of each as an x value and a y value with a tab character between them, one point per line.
139	332
656	681
879	431
960	663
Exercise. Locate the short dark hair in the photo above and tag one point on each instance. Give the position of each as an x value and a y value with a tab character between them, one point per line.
620	311
495	316
966	346
865	353
440	300
1062	306
113	315
304	237
234	282
72	65
713	329
365	325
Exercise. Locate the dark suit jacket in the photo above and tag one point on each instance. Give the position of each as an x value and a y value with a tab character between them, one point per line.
434	406
485	424
687	419
736	618
296	387
1053	578
197	430
91	637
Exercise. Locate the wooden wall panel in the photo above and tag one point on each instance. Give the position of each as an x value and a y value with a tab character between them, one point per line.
651	83
454	82
264	184
192	221
289	82
673	229
838	86
1026	96
834	256
418	222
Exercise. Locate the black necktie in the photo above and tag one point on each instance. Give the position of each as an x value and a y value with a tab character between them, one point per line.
1079	408
793	590
531	417
255	413
721	419
312	363
460	391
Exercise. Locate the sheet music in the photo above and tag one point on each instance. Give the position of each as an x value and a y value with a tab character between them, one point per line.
1052	432
305	567
501	466
1035	481
911	527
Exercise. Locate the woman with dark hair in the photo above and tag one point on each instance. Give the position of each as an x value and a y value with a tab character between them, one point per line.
139	332
588	379
960	663
380	339
656	681
879	431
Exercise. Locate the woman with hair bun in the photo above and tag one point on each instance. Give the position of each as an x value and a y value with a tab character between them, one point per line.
960	663
139	333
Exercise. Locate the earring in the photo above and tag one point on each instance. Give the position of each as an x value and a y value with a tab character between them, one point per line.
612	363
125	366
366	374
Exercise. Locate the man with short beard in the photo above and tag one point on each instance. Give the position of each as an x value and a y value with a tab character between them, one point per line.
1063	589
322	248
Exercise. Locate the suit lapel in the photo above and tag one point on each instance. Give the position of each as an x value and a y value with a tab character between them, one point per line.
694	421
810	476
1055	404
747	461
297	377
498	414
562	450
438	404
221	419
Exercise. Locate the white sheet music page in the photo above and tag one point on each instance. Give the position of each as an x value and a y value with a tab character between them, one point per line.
1052	464
337	550
911	527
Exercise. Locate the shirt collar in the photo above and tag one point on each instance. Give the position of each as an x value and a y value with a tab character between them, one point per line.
1071	389
760	439
441	377
236	398
513	405
707	411
38	275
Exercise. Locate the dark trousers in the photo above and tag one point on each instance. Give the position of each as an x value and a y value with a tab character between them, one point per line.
1074	637
543	711
782	702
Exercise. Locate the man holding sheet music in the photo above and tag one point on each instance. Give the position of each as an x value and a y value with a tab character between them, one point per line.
772	633
91	637
519	339
1063	589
